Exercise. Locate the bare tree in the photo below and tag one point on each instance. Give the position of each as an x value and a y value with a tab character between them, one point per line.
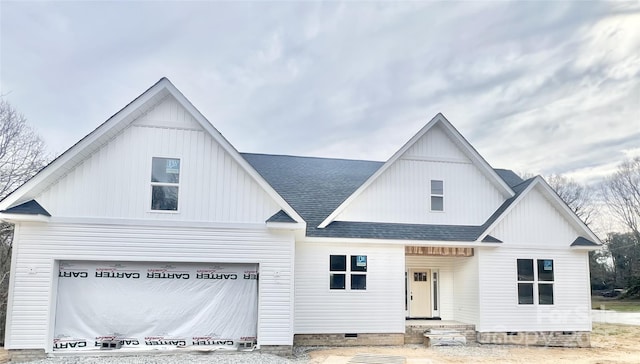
577	196
621	193
22	154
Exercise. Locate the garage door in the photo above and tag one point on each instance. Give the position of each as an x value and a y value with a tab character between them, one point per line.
155	305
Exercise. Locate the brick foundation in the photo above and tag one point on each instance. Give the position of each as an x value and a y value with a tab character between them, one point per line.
25	355
570	339
280	350
341	340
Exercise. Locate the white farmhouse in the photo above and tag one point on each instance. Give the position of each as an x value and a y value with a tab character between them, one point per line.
154	232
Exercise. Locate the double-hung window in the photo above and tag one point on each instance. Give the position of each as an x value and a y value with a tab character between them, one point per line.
352	271
535	281
165	184
437	195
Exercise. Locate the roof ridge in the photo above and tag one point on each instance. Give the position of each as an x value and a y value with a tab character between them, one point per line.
311	157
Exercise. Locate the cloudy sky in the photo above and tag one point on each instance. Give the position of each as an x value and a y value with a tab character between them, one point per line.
543	87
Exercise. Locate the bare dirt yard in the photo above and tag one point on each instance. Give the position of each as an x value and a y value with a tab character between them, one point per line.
610	344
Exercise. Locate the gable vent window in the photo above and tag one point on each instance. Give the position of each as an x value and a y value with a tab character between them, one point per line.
348	274
437	195
165	181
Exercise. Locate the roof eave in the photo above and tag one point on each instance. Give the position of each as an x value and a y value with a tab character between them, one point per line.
286	225
24	217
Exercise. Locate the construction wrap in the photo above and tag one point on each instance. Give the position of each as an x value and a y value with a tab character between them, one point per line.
155	305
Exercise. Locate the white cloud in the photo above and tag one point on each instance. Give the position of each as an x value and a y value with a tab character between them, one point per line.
558	92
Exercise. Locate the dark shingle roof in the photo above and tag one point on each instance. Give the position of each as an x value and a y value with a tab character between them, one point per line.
315	187
491	239
509	177
281	216
580	241
31	207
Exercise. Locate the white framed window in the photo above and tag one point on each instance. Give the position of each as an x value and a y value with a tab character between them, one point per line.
437	195
535	281
165	184
348	274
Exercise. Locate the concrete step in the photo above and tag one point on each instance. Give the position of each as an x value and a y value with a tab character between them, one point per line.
438	337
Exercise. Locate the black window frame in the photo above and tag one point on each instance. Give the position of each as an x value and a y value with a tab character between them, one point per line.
535	281
346	274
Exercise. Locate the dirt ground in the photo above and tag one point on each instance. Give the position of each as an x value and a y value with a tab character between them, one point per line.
610	344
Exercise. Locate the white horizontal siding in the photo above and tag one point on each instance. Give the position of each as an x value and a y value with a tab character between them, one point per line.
38	245
535	222
499	309
458	285
115	181
378	309
402	194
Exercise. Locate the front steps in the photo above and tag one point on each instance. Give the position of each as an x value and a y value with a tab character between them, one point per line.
438	337
415	330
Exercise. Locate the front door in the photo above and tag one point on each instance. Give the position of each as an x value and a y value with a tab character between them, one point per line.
420	293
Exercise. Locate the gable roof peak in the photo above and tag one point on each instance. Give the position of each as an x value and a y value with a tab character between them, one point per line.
142	104
456	137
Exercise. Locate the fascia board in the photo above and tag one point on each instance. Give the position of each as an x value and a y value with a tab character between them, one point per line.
229	148
24	218
567	212
286	226
84	144
477	159
490	228
381	170
458	139
556	201
436	243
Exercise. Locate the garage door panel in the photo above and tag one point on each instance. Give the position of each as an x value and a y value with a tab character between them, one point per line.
144	305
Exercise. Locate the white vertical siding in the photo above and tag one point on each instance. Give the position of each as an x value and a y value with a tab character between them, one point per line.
115	181
535	222
39	245
499	309
402	195
169	113
378	309
436	144
458	285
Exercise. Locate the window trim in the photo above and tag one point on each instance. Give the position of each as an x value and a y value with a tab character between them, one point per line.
536	282
432	195
348	273
168	184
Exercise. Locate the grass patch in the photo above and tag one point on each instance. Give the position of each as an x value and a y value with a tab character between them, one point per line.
626	305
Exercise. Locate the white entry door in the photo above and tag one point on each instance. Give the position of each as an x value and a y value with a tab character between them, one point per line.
420	293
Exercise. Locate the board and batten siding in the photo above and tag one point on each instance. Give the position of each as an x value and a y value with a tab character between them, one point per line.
499	308
39	245
115	181
402	193
378	309
458	285
535	222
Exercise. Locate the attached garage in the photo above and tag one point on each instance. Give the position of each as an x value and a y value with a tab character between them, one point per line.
155	305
